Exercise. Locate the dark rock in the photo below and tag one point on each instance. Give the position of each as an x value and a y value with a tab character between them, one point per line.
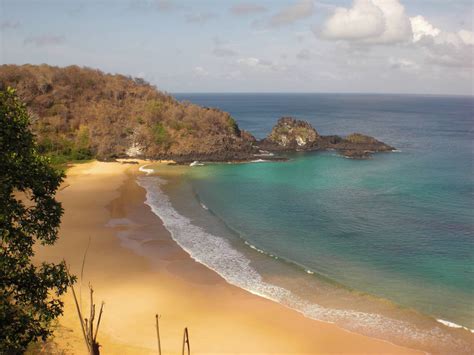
295	135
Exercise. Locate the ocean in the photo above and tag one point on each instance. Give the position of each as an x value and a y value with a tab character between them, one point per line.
383	247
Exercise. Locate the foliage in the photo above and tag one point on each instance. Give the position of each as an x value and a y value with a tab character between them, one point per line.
154	108
29	214
233	125
61	149
160	134
81	150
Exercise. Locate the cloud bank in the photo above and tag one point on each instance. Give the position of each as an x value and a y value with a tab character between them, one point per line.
384	22
370	21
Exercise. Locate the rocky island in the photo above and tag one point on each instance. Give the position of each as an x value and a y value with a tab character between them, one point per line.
82	113
290	135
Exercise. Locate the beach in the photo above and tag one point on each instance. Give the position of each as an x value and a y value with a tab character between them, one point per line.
105	214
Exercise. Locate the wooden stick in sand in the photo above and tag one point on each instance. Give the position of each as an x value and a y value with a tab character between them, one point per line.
87	325
158	333
186	341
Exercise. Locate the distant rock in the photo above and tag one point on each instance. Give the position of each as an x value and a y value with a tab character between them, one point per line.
360	146
291	134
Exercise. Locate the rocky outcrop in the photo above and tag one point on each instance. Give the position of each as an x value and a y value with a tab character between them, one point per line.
290	134
295	135
359	146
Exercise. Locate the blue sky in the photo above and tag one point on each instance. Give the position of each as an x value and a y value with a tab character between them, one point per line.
395	46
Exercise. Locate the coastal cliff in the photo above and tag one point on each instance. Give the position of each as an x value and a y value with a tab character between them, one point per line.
81	113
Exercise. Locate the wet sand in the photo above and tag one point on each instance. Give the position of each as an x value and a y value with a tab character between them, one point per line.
138	270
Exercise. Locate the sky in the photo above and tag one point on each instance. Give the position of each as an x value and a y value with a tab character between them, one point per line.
363	46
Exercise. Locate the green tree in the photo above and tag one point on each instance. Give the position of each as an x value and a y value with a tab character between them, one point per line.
160	134
29	213
82	150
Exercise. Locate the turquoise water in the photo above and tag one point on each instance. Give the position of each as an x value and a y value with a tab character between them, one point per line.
345	234
359	223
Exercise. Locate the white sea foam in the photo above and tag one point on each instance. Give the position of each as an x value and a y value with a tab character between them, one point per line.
258	161
453	325
218	254
196	163
204	206
251	246
264	153
145	170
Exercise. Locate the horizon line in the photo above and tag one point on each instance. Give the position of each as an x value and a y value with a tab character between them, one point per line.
310	93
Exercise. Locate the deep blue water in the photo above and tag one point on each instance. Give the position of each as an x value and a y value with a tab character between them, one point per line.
398	226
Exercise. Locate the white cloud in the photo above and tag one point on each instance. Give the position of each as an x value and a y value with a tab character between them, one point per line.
369	21
467	37
293	13
452	49
249	62
421	27
261	65
403	64
362	21
375	22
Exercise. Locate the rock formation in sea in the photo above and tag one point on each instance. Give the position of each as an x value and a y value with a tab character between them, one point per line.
290	134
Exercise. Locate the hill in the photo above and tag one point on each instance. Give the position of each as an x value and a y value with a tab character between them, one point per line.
82	113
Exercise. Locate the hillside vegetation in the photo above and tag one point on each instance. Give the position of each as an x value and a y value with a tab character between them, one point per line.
80	113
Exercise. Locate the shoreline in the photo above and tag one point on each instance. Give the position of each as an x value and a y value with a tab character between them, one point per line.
133	257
